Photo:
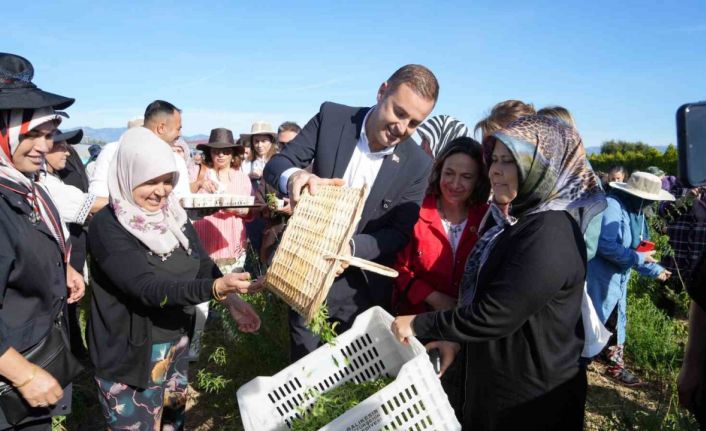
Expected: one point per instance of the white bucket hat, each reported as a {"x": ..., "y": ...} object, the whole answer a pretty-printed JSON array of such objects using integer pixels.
[
  {"x": 644, "y": 185},
  {"x": 260, "y": 128}
]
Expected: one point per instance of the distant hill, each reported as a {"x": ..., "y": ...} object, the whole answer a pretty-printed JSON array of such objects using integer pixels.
[{"x": 110, "y": 134}]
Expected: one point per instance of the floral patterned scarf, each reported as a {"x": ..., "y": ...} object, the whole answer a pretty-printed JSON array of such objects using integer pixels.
[
  {"x": 554, "y": 174},
  {"x": 141, "y": 157}
]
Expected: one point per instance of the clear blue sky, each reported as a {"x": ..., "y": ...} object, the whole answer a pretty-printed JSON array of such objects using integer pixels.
[{"x": 622, "y": 68}]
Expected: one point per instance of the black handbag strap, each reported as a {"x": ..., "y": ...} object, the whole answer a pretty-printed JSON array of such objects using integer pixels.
[{"x": 403, "y": 296}]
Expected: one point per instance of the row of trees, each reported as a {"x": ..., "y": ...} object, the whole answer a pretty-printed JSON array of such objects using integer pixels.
[{"x": 634, "y": 156}]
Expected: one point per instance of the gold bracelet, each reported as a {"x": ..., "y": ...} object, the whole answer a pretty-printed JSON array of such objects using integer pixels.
[
  {"x": 29, "y": 379},
  {"x": 215, "y": 292}
]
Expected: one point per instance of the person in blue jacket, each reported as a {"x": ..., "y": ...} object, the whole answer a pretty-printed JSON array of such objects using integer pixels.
[{"x": 623, "y": 228}]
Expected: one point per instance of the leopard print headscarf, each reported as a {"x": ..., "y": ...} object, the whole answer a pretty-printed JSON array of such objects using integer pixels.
[{"x": 554, "y": 172}]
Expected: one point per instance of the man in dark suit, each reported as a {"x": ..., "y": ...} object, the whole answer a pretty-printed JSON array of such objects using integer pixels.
[{"x": 354, "y": 147}]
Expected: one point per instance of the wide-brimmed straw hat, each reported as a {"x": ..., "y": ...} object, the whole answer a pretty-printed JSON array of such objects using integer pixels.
[
  {"x": 220, "y": 138},
  {"x": 17, "y": 90},
  {"x": 71, "y": 137},
  {"x": 644, "y": 185},
  {"x": 260, "y": 128}
]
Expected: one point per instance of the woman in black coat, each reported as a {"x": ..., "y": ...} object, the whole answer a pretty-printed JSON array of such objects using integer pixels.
[
  {"x": 519, "y": 314},
  {"x": 33, "y": 248},
  {"x": 149, "y": 271}
]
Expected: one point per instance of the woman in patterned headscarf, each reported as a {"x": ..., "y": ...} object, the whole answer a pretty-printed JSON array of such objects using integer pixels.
[{"x": 519, "y": 313}]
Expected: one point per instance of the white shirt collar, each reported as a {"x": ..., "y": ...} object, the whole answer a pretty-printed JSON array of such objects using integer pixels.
[{"x": 364, "y": 145}]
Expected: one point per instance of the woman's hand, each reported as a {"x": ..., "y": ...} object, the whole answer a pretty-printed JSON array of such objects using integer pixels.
[
  {"x": 242, "y": 212},
  {"x": 43, "y": 390},
  {"x": 243, "y": 314},
  {"x": 209, "y": 186},
  {"x": 286, "y": 209},
  {"x": 664, "y": 275},
  {"x": 649, "y": 256},
  {"x": 256, "y": 174},
  {"x": 238, "y": 282},
  {"x": 74, "y": 284},
  {"x": 448, "y": 351},
  {"x": 402, "y": 328}
]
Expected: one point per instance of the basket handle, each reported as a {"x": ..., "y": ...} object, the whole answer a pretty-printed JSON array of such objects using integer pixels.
[{"x": 365, "y": 264}]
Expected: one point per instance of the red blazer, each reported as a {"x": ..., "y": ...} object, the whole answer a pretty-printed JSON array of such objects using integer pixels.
[{"x": 428, "y": 261}]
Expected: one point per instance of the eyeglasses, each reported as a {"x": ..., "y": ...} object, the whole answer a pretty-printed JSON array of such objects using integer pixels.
[{"x": 226, "y": 151}]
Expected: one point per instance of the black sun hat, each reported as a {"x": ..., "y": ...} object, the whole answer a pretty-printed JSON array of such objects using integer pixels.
[
  {"x": 17, "y": 90},
  {"x": 221, "y": 138},
  {"x": 71, "y": 137}
]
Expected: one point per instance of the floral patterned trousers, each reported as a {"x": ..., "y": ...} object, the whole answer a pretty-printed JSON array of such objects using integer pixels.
[{"x": 159, "y": 407}]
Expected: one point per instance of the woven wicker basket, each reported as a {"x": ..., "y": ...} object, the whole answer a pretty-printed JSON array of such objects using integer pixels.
[{"x": 304, "y": 265}]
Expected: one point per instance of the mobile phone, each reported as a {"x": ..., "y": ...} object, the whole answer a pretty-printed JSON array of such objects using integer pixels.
[
  {"x": 691, "y": 143},
  {"x": 645, "y": 246}
]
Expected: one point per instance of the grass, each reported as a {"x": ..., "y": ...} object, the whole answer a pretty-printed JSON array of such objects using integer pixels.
[{"x": 229, "y": 359}]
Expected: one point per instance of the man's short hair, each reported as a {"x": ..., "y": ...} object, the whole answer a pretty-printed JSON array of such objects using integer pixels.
[
  {"x": 289, "y": 126},
  {"x": 157, "y": 108},
  {"x": 419, "y": 78}
]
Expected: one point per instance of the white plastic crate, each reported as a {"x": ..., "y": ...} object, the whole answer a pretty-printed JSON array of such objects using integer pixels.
[{"x": 415, "y": 400}]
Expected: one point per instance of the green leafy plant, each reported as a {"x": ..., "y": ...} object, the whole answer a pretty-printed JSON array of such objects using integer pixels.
[
  {"x": 211, "y": 382},
  {"x": 652, "y": 338},
  {"x": 271, "y": 200},
  {"x": 321, "y": 326},
  {"x": 332, "y": 404},
  {"x": 218, "y": 356}
]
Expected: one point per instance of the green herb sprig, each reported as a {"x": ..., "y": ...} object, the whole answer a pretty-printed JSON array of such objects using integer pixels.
[
  {"x": 271, "y": 200},
  {"x": 321, "y": 326},
  {"x": 332, "y": 404}
]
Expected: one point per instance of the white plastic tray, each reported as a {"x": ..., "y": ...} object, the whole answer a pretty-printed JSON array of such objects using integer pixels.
[
  {"x": 208, "y": 200},
  {"x": 414, "y": 400}
]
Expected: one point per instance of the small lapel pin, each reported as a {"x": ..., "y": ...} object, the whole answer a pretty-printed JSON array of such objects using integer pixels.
[{"x": 395, "y": 158}]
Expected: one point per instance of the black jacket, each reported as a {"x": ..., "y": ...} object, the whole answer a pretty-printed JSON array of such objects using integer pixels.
[
  {"x": 391, "y": 209},
  {"x": 74, "y": 174},
  {"x": 125, "y": 293},
  {"x": 32, "y": 274},
  {"x": 523, "y": 332}
]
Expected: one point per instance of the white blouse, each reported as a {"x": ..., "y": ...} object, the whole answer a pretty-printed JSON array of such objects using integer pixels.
[{"x": 73, "y": 204}]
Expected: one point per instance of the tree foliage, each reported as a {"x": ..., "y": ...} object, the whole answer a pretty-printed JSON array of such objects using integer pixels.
[{"x": 634, "y": 156}]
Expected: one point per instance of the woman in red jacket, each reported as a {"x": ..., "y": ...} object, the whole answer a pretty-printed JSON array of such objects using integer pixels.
[{"x": 431, "y": 265}]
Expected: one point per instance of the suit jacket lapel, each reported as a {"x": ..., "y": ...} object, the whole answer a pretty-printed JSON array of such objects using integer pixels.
[
  {"x": 350, "y": 133},
  {"x": 390, "y": 169}
]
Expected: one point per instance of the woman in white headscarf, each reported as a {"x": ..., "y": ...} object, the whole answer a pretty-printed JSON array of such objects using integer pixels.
[{"x": 149, "y": 271}]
